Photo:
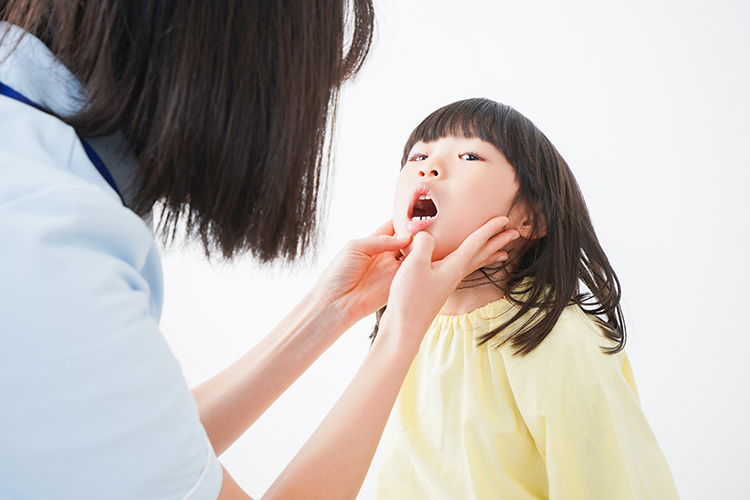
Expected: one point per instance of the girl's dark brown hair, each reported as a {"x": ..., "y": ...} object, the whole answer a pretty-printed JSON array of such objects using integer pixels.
[
  {"x": 564, "y": 266},
  {"x": 227, "y": 104}
]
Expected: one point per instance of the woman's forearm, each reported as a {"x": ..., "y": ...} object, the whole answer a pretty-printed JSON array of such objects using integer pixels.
[
  {"x": 355, "y": 284},
  {"x": 234, "y": 399},
  {"x": 335, "y": 460}
]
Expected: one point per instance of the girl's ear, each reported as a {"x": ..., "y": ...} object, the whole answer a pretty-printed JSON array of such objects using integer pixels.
[{"x": 527, "y": 226}]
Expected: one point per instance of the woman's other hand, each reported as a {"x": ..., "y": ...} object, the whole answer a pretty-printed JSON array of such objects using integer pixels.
[
  {"x": 356, "y": 283},
  {"x": 421, "y": 286}
]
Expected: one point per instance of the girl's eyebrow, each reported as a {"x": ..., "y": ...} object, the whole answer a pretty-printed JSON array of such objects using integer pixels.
[{"x": 418, "y": 148}]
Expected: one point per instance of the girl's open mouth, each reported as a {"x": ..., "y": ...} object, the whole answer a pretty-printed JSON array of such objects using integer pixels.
[{"x": 422, "y": 210}]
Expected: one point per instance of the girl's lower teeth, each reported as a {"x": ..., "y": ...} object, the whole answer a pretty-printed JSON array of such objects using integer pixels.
[{"x": 424, "y": 217}]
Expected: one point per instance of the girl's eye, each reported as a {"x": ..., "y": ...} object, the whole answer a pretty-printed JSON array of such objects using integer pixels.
[
  {"x": 417, "y": 157},
  {"x": 469, "y": 157}
]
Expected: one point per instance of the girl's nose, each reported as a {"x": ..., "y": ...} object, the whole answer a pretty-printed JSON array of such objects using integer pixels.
[{"x": 424, "y": 172}]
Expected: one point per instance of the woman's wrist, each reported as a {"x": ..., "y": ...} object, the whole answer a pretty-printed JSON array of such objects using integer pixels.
[
  {"x": 397, "y": 330},
  {"x": 342, "y": 310},
  {"x": 328, "y": 308}
]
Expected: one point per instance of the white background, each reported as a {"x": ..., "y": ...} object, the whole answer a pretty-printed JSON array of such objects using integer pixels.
[{"x": 649, "y": 103}]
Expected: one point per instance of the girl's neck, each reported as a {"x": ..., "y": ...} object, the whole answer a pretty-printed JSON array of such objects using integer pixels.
[{"x": 474, "y": 292}]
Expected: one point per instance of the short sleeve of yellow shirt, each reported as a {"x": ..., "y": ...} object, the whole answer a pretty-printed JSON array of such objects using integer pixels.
[{"x": 563, "y": 422}]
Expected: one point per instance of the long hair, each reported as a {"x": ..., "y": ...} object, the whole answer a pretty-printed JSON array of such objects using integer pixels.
[
  {"x": 228, "y": 105},
  {"x": 564, "y": 266}
]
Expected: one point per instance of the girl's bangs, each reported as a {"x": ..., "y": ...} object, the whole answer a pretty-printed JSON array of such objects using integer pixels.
[{"x": 469, "y": 118}]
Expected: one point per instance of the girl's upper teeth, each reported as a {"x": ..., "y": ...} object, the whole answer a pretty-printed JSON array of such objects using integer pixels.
[{"x": 423, "y": 210}]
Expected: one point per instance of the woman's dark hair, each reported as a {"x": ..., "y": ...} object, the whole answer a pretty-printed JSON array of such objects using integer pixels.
[
  {"x": 564, "y": 266},
  {"x": 228, "y": 105}
]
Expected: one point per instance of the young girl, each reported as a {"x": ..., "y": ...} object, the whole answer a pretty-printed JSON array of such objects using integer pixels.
[{"x": 521, "y": 388}]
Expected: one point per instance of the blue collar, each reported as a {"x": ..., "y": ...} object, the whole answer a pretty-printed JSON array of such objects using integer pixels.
[{"x": 93, "y": 156}]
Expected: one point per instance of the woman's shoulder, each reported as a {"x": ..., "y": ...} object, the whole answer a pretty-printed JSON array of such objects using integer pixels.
[
  {"x": 39, "y": 152},
  {"x": 56, "y": 208}
]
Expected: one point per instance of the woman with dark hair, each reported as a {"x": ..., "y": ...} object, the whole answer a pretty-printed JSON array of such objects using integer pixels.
[{"x": 220, "y": 111}]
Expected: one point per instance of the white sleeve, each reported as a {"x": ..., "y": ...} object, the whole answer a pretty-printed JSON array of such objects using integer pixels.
[{"x": 93, "y": 404}]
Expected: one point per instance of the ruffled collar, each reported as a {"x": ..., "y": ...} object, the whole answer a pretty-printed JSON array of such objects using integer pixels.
[{"x": 487, "y": 311}]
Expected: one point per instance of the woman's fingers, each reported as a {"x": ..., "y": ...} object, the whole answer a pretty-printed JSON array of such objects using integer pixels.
[
  {"x": 380, "y": 241},
  {"x": 384, "y": 229},
  {"x": 357, "y": 281},
  {"x": 492, "y": 251},
  {"x": 421, "y": 252},
  {"x": 482, "y": 246}
]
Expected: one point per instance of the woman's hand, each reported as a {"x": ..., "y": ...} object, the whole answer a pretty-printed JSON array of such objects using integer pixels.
[
  {"x": 334, "y": 462},
  {"x": 421, "y": 286},
  {"x": 357, "y": 281}
]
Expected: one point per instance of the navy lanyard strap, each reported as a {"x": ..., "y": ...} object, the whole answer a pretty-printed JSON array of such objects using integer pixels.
[{"x": 95, "y": 159}]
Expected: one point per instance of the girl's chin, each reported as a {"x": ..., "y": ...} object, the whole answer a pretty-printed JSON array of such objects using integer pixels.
[{"x": 438, "y": 253}]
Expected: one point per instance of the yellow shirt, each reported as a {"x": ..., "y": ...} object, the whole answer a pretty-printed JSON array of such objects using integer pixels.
[{"x": 563, "y": 422}]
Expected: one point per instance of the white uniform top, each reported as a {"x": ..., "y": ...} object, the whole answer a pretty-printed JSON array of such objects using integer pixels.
[{"x": 93, "y": 404}]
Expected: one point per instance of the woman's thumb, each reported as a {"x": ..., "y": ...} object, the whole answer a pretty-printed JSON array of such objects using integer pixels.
[{"x": 422, "y": 247}]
